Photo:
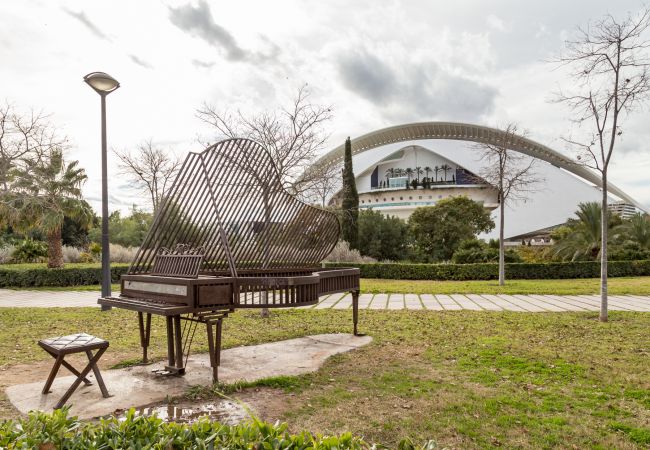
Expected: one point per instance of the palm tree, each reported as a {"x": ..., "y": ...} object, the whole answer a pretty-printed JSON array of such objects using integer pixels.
[
  {"x": 580, "y": 239},
  {"x": 418, "y": 172},
  {"x": 44, "y": 191},
  {"x": 436, "y": 170},
  {"x": 637, "y": 229},
  {"x": 446, "y": 168},
  {"x": 390, "y": 173},
  {"x": 427, "y": 170}
]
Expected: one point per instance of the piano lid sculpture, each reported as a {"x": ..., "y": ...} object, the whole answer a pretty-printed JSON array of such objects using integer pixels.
[{"x": 228, "y": 236}]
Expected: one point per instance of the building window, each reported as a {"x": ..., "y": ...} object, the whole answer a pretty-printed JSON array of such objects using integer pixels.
[
  {"x": 420, "y": 197},
  {"x": 384, "y": 199},
  {"x": 376, "y": 200},
  {"x": 401, "y": 198},
  {"x": 430, "y": 197},
  {"x": 440, "y": 196},
  {"x": 392, "y": 198},
  {"x": 410, "y": 198}
]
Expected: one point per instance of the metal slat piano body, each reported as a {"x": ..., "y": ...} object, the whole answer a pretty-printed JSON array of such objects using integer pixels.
[{"x": 227, "y": 237}]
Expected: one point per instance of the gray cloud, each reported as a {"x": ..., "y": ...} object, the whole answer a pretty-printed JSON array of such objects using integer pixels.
[
  {"x": 202, "y": 64},
  {"x": 140, "y": 62},
  {"x": 198, "y": 22},
  {"x": 81, "y": 17},
  {"x": 415, "y": 92},
  {"x": 368, "y": 76}
]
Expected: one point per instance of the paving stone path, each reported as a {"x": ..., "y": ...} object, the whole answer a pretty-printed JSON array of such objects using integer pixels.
[{"x": 435, "y": 302}]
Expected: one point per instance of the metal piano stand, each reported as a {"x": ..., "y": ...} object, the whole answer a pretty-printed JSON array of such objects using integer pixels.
[{"x": 179, "y": 339}]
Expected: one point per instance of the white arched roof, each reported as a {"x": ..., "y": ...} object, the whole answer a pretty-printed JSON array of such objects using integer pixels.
[{"x": 472, "y": 133}]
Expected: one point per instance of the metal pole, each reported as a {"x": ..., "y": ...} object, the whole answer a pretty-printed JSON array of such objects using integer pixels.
[{"x": 106, "y": 265}]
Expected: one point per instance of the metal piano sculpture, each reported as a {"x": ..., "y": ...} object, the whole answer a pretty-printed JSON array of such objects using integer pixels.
[{"x": 228, "y": 236}]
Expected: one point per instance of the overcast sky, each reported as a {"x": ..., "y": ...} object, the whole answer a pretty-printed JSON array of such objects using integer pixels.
[{"x": 378, "y": 63}]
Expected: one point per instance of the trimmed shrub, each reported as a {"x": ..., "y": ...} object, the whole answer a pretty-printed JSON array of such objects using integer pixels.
[
  {"x": 66, "y": 276},
  {"x": 58, "y": 430},
  {"x": 490, "y": 271}
]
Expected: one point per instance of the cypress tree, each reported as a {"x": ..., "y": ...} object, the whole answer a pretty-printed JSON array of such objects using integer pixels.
[{"x": 350, "y": 203}]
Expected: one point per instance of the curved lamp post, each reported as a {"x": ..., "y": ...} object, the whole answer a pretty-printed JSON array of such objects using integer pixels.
[{"x": 104, "y": 84}]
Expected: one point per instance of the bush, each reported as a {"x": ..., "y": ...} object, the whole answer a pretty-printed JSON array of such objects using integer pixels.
[
  {"x": 29, "y": 251},
  {"x": 58, "y": 430},
  {"x": 12, "y": 276},
  {"x": 121, "y": 254},
  {"x": 342, "y": 252},
  {"x": 476, "y": 251},
  {"x": 71, "y": 254},
  {"x": 6, "y": 254},
  {"x": 490, "y": 271}
]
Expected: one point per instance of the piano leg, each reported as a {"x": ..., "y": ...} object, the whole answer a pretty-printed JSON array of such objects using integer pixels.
[
  {"x": 178, "y": 339},
  {"x": 211, "y": 350},
  {"x": 171, "y": 360},
  {"x": 355, "y": 311},
  {"x": 145, "y": 334}
]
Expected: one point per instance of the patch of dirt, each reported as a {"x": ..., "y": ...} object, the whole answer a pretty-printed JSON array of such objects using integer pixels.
[
  {"x": 267, "y": 404},
  {"x": 38, "y": 371}
]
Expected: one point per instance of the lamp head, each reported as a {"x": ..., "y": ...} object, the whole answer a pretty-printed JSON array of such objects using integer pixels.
[{"x": 101, "y": 82}]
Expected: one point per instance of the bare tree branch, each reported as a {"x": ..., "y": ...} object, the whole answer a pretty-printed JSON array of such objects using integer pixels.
[
  {"x": 150, "y": 169},
  {"x": 293, "y": 136},
  {"x": 24, "y": 135},
  {"x": 511, "y": 174},
  {"x": 610, "y": 76}
]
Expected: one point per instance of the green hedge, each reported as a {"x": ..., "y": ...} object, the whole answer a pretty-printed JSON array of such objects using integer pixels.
[
  {"x": 68, "y": 276},
  {"x": 58, "y": 431},
  {"x": 490, "y": 271}
]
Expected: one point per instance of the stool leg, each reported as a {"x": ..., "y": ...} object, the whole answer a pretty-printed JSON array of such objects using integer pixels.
[
  {"x": 69, "y": 367},
  {"x": 53, "y": 372},
  {"x": 77, "y": 382},
  {"x": 98, "y": 375}
]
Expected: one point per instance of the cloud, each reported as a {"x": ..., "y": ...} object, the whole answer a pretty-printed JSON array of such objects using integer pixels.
[
  {"x": 197, "y": 21},
  {"x": 81, "y": 17},
  {"x": 140, "y": 62},
  {"x": 368, "y": 76},
  {"x": 202, "y": 64},
  {"x": 415, "y": 91}
]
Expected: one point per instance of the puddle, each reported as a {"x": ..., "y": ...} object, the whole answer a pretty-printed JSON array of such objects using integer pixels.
[{"x": 223, "y": 411}]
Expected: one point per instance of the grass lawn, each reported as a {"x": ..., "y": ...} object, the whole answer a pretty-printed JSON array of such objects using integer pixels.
[
  {"x": 617, "y": 286},
  {"x": 465, "y": 379},
  {"x": 580, "y": 286}
]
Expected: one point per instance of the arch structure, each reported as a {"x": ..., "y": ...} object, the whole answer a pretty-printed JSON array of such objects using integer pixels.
[{"x": 471, "y": 133}]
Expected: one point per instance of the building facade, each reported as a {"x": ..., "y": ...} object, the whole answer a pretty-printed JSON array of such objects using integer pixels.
[{"x": 415, "y": 176}]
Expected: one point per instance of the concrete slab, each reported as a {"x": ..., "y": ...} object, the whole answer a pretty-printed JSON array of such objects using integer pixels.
[
  {"x": 430, "y": 302},
  {"x": 137, "y": 386},
  {"x": 379, "y": 301},
  {"x": 396, "y": 301}
]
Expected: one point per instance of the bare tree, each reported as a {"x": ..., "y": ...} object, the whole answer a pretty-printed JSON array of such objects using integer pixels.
[
  {"x": 293, "y": 136},
  {"x": 150, "y": 169},
  {"x": 322, "y": 184},
  {"x": 24, "y": 135},
  {"x": 609, "y": 69},
  {"x": 511, "y": 174}
]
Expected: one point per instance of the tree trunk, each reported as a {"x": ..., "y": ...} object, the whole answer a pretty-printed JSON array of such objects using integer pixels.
[
  {"x": 502, "y": 256},
  {"x": 603, "y": 251},
  {"x": 54, "y": 249}
]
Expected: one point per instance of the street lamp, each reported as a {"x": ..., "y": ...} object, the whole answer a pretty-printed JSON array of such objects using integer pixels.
[{"x": 104, "y": 84}]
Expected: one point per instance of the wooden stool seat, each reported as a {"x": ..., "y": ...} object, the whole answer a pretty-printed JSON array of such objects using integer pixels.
[{"x": 59, "y": 347}]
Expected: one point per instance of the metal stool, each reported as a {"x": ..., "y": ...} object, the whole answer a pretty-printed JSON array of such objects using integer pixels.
[{"x": 59, "y": 347}]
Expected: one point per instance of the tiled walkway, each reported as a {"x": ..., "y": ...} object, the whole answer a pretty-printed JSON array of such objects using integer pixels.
[{"x": 435, "y": 302}]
